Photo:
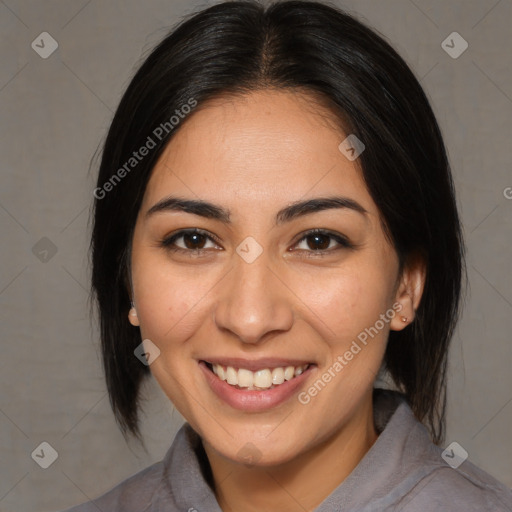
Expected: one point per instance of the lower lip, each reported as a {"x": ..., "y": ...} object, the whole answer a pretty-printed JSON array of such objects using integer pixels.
[{"x": 253, "y": 401}]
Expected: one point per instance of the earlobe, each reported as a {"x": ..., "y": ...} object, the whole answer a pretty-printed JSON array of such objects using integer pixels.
[
  {"x": 132, "y": 316},
  {"x": 409, "y": 294},
  {"x": 404, "y": 313}
]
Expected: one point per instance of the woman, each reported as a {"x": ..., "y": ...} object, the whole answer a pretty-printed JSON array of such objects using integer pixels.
[{"x": 275, "y": 227}]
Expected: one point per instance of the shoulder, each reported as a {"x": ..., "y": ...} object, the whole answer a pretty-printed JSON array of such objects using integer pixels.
[
  {"x": 444, "y": 481},
  {"x": 170, "y": 485},
  {"x": 465, "y": 489},
  {"x": 133, "y": 494},
  {"x": 414, "y": 474}
]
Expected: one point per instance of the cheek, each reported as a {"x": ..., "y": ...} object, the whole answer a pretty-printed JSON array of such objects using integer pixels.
[
  {"x": 170, "y": 301},
  {"x": 172, "y": 308},
  {"x": 345, "y": 301}
]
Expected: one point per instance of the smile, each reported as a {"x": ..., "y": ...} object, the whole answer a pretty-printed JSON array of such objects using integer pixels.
[
  {"x": 255, "y": 386},
  {"x": 266, "y": 378}
]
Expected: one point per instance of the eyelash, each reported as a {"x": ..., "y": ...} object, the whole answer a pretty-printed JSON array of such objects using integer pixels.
[{"x": 344, "y": 243}]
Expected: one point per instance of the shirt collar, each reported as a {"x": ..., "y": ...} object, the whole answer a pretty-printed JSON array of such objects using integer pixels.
[{"x": 384, "y": 471}]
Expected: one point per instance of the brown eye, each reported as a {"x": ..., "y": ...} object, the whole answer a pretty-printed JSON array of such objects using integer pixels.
[
  {"x": 321, "y": 241},
  {"x": 318, "y": 242},
  {"x": 189, "y": 241},
  {"x": 194, "y": 240}
]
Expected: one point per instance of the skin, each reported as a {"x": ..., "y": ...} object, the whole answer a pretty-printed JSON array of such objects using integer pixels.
[{"x": 253, "y": 155}]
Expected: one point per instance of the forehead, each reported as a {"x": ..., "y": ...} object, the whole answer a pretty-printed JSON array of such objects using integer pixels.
[{"x": 263, "y": 147}]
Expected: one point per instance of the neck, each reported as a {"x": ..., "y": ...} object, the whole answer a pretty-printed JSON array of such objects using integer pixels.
[{"x": 300, "y": 484}]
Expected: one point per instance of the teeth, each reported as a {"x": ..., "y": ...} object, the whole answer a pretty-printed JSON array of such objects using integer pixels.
[
  {"x": 231, "y": 376},
  {"x": 245, "y": 378},
  {"x": 261, "y": 379},
  {"x": 277, "y": 376},
  {"x": 220, "y": 372}
]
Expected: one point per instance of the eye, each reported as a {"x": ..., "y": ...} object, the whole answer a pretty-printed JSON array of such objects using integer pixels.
[
  {"x": 190, "y": 240},
  {"x": 196, "y": 241},
  {"x": 322, "y": 241}
]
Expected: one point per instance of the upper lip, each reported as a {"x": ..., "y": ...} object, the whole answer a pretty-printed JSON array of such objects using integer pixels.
[{"x": 256, "y": 364}]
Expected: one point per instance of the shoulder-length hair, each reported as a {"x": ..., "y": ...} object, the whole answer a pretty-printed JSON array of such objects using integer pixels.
[{"x": 241, "y": 46}]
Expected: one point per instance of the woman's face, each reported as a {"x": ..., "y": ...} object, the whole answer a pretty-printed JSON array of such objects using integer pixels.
[{"x": 255, "y": 292}]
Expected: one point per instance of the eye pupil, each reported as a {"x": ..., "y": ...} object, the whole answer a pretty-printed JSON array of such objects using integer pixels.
[
  {"x": 321, "y": 241},
  {"x": 194, "y": 240}
]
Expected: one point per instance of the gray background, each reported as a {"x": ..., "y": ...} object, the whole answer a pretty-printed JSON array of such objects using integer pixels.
[{"x": 54, "y": 112}]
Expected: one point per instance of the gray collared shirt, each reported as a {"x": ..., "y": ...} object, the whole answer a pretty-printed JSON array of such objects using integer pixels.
[{"x": 403, "y": 471}]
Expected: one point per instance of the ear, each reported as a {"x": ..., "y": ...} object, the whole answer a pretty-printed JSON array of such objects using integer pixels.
[
  {"x": 409, "y": 292},
  {"x": 132, "y": 316}
]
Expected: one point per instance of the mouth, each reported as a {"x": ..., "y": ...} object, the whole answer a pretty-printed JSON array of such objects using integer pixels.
[
  {"x": 259, "y": 380},
  {"x": 255, "y": 386}
]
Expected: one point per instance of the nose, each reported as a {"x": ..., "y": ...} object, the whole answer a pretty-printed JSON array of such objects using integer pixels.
[{"x": 253, "y": 302}]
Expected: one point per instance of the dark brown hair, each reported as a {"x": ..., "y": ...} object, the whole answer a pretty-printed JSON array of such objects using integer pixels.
[{"x": 236, "y": 47}]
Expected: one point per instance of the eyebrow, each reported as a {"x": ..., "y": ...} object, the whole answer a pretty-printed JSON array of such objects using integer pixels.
[{"x": 287, "y": 214}]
